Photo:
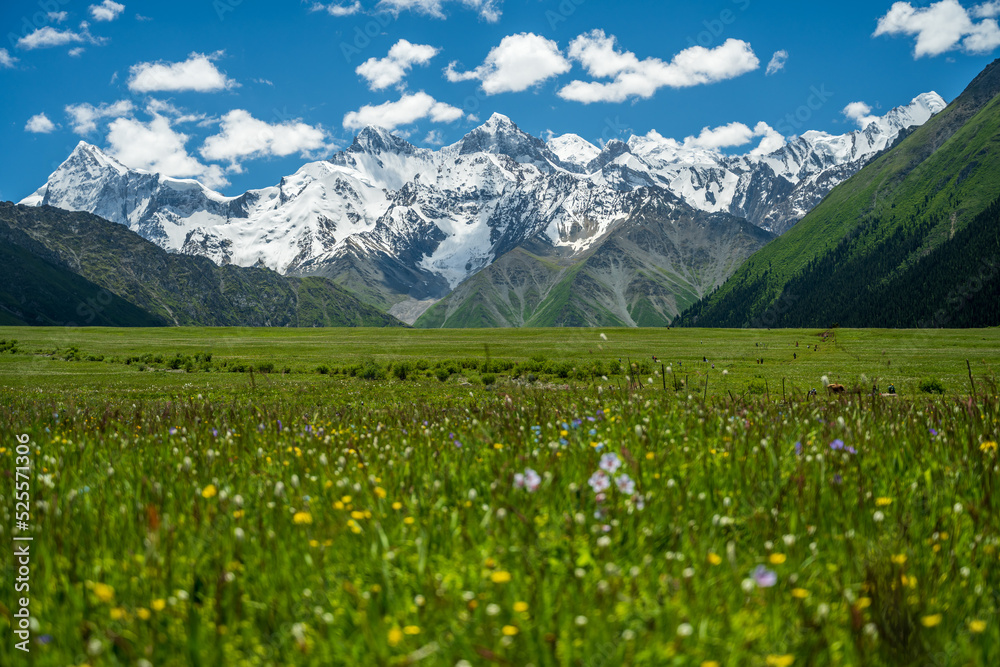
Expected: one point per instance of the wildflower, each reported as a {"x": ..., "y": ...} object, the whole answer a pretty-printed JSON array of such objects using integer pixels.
[
  {"x": 395, "y": 636},
  {"x": 931, "y": 621},
  {"x": 883, "y": 502},
  {"x": 209, "y": 491},
  {"x": 714, "y": 558},
  {"x": 625, "y": 485},
  {"x": 411, "y": 630},
  {"x": 610, "y": 463},
  {"x": 509, "y": 630},
  {"x": 491, "y": 609},
  {"x": 987, "y": 447},
  {"x": 763, "y": 577},
  {"x": 397, "y": 506},
  {"x": 409, "y": 520},
  {"x": 798, "y": 449},
  {"x": 302, "y": 518},
  {"x": 899, "y": 559},
  {"x": 143, "y": 613},
  {"x": 837, "y": 444},
  {"x": 104, "y": 592},
  {"x": 710, "y": 663},
  {"x": 779, "y": 660},
  {"x": 684, "y": 630},
  {"x": 580, "y": 621},
  {"x": 117, "y": 614},
  {"x": 800, "y": 593},
  {"x": 500, "y": 577},
  {"x": 520, "y": 607},
  {"x": 878, "y": 517},
  {"x": 976, "y": 627},
  {"x": 864, "y": 603},
  {"x": 599, "y": 481},
  {"x": 777, "y": 559},
  {"x": 158, "y": 605},
  {"x": 380, "y": 492}
]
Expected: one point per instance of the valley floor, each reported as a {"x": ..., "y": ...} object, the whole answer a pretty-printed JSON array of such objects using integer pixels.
[{"x": 393, "y": 497}]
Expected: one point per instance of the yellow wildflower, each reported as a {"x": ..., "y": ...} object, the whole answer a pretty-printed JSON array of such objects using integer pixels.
[
  {"x": 714, "y": 558},
  {"x": 800, "y": 593},
  {"x": 408, "y": 521},
  {"x": 209, "y": 491},
  {"x": 395, "y": 636},
  {"x": 883, "y": 502},
  {"x": 977, "y": 627},
  {"x": 988, "y": 446},
  {"x": 302, "y": 517},
  {"x": 520, "y": 607},
  {"x": 117, "y": 614},
  {"x": 397, "y": 506},
  {"x": 509, "y": 630},
  {"x": 710, "y": 663},
  {"x": 777, "y": 559},
  {"x": 380, "y": 492},
  {"x": 931, "y": 621},
  {"x": 411, "y": 630},
  {"x": 864, "y": 603},
  {"x": 143, "y": 613},
  {"x": 357, "y": 516},
  {"x": 104, "y": 592},
  {"x": 159, "y": 604},
  {"x": 500, "y": 577},
  {"x": 779, "y": 660},
  {"x": 899, "y": 559}
]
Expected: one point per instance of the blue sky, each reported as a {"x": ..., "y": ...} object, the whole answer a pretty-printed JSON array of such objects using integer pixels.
[{"x": 239, "y": 93}]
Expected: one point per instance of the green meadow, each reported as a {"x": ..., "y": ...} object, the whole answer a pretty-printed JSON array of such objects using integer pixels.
[{"x": 554, "y": 497}]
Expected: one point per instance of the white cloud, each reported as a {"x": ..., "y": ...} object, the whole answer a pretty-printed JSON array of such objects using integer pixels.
[
  {"x": 6, "y": 60},
  {"x": 943, "y": 26},
  {"x": 384, "y": 72},
  {"x": 156, "y": 147},
  {"x": 434, "y": 138},
  {"x": 987, "y": 10},
  {"x": 85, "y": 116},
  {"x": 39, "y": 124},
  {"x": 408, "y": 109},
  {"x": 777, "y": 63},
  {"x": 197, "y": 73},
  {"x": 243, "y": 136},
  {"x": 337, "y": 9},
  {"x": 48, "y": 37},
  {"x": 601, "y": 57},
  {"x": 77, "y": 52},
  {"x": 58, "y": 17},
  {"x": 860, "y": 113},
  {"x": 737, "y": 134},
  {"x": 489, "y": 10},
  {"x": 106, "y": 11},
  {"x": 516, "y": 64}
]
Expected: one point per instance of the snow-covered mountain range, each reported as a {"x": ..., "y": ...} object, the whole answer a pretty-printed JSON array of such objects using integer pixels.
[{"x": 400, "y": 224}]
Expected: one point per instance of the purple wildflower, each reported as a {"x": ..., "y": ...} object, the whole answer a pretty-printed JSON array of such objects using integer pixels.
[
  {"x": 610, "y": 463},
  {"x": 599, "y": 481},
  {"x": 798, "y": 449},
  {"x": 625, "y": 485},
  {"x": 837, "y": 444},
  {"x": 763, "y": 577}
]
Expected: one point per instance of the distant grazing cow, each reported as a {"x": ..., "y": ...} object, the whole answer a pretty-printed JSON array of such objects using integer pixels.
[{"x": 836, "y": 388}]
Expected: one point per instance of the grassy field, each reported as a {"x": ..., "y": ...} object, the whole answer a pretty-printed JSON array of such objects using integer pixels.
[{"x": 504, "y": 503}]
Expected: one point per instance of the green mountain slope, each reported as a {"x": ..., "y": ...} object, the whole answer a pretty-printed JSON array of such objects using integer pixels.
[
  {"x": 874, "y": 228},
  {"x": 182, "y": 290},
  {"x": 36, "y": 290},
  {"x": 643, "y": 272}
]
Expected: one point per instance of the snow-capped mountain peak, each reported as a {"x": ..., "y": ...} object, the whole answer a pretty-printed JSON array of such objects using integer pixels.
[{"x": 574, "y": 149}]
